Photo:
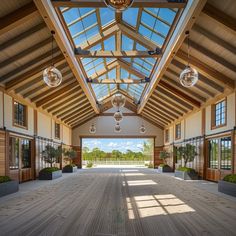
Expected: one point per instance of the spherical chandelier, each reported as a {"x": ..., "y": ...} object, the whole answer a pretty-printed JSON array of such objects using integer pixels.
[
  {"x": 118, "y": 116},
  {"x": 189, "y": 76},
  {"x": 118, "y": 5},
  {"x": 142, "y": 129},
  {"x": 118, "y": 100},
  {"x": 51, "y": 75},
  {"x": 117, "y": 128},
  {"x": 92, "y": 129}
]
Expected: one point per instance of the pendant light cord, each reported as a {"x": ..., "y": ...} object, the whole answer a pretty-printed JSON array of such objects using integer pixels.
[
  {"x": 52, "y": 32},
  {"x": 187, "y": 33}
]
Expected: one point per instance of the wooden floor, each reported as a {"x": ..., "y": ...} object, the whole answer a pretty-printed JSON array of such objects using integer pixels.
[{"x": 125, "y": 201}]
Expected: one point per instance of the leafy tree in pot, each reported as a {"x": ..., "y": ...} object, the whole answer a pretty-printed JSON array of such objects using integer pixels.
[
  {"x": 187, "y": 152},
  {"x": 70, "y": 154},
  {"x": 51, "y": 154},
  {"x": 164, "y": 155}
]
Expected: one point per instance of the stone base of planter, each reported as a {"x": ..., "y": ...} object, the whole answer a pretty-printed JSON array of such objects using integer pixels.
[
  {"x": 9, "y": 187},
  {"x": 50, "y": 176},
  {"x": 69, "y": 169},
  {"x": 165, "y": 169},
  {"x": 227, "y": 188},
  {"x": 186, "y": 175}
]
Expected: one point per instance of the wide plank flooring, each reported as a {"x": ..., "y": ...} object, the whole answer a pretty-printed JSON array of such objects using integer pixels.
[{"x": 118, "y": 201}]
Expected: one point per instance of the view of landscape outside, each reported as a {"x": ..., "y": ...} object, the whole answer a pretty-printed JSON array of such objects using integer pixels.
[{"x": 118, "y": 151}]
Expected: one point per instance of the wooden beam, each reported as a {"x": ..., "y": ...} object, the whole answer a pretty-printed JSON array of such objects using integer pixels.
[
  {"x": 22, "y": 36},
  {"x": 78, "y": 114},
  {"x": 151, "y": 121},
  {"x": 58, "y": 93},
  {"x": 83, "y": 121},
  {"x": 159, "y": 114},
  {"x": 215, "y": 39},
  {"x": 206, "y": 70},
  {"x": 186, "y": 21},
  {"x": 137, "y": 3},
  {"x": 154, "y": 117},
  {"x": 17, "y": 17},
  {"x": 24, "y": 53},
  {"x": 78, "y": 117},
  {"x": 23, "y": 78},
  {"x": 119, "y": 81},
  {"x": 179, "y": 94},
  {"x": 220, "y": 16},
  {"x": 114, "y": 54},
  {"x": 50, "y": 16}
]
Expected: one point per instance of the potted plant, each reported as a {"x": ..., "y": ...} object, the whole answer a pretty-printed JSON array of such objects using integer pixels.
[
  {"x": 89, "y": 164},
  {"x": 228, "y": 185},
  {"x": 8, "y": 186},
  {"x": 164, "y": 167},
  {"x": 70, "y": 155},
  {"x": 51, "y": 155},
  {"x": 187, "y": 153}
]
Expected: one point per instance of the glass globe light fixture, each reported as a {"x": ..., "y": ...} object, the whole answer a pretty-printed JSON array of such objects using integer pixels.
[
  {"x": 188, "y": 77},
  {"x": 118, "y": 116},
  {"x": 118, "y": 5},
  {"x": 118, "y": 100},
  {"x": 142, "y": 129},
  {"x": 117, "y": 128},
  {"x": 92, "y": 129},
  {"x": 52, "y": 76}
]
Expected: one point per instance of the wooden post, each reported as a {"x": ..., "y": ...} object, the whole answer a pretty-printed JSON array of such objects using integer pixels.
[
  {"x": 157, "y": 160},
  {"x": 78, "y": 160}
]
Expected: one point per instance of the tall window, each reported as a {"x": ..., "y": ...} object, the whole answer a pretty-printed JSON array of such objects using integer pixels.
[
  {"x": 57, "y": 130},
  {"x": 219, "y": 114},
  {"x": 178, "y": 131},
  {"x": 167, "y": 137},
  {"x": 25, "y": 153},
  {"x": 220, "y": 154},
  {"x": 20, "y": 118},
  {"x": 14, "y": 153}
]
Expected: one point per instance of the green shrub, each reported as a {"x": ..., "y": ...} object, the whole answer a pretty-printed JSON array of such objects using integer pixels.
[
  {"x": 163, "y": 165},
  {"x": 150, "y": 165},
  {"x": 89, "y": 165},
  {"x": 49, "y": 170},
  {"x": 4, "y": 179},
  {"x": 230, "y": 178},
  {"x": 186, "y": 169},
  {"x": 70, "y": 165}
]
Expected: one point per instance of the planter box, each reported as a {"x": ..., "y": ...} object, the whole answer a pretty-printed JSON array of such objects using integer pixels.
[
  {"x": 50, "y": 176},
  {"x": 69, "y": 169},
  {"x": 9, "y": 187},
  {"x": 186, "y": 175},
  {"x": 227, "y": 188},
  {"x": 165, "y": 169}
]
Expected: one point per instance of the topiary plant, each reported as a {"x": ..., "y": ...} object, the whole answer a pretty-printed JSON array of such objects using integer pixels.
[
  {"x": 230, "y": 178},
  {"x": 164, "y": 155},
  {"x": 51, "y": 154},
  {"x": 70, "y": 154},
  {"x": 4, "y": 179},
  {"x": 49, "y": 170},
  {"x": 187, "y": 153}
]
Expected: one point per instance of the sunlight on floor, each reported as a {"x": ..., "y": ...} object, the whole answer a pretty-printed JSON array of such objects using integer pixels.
[
  {"x": 134, "y": 174},
  {"x": 130, "y": 170},
  {"x": 140, "y": 182},
  {"x": 154, "y": 205}
]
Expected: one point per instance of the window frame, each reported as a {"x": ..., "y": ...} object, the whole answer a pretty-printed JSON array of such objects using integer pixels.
[
  {"x": 213, "y": 114},
  {"x": 25, "y": 126},
  {"x": 55, "y": 131},
  {"x": 177, "y": 137},
  {"x": 167, "y": 135}
]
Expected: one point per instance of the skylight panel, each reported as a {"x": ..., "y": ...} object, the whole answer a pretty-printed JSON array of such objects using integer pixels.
[
  {"x": 123, "y": 87},
  {"x": 127, "y": 43},
  {"x": 167, "y": 15},
  {"x": 148, "y": 20},
  {"x": 112, "y": 74},
  {"x": 124, "y": 74},
  {"x": 130, "y": 16},
  {"x": 109, "y": 44},
  {"x": 107, "y": 16},
  {"x": 112, "y": 87}
]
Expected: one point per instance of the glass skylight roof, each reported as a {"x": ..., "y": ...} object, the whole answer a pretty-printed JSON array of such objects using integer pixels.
[{"x": 88, "y": 24}]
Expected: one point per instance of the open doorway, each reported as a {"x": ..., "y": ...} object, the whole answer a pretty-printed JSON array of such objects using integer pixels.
[{"x": 105, "y": 152}]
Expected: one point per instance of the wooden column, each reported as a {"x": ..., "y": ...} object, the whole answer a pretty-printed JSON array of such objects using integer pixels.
[
  {"x": 78, "y": 160},
  {"x": 3, "y": 153},
  {"x": 157, "y": 160}
]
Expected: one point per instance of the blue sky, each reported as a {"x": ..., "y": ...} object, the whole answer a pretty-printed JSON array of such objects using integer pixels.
[{"x": 108, "y": 144}]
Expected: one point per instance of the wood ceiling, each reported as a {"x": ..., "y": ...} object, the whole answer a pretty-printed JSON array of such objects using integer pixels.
[{"x": 25, "y": 46}]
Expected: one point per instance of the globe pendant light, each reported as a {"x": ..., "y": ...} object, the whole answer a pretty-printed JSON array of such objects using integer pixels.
[
  {"x": 51, "y": 75},
  {"x": 117, "y": 128},
  {"x": 92, "y": 129},
  {"x": 118, "y": 5},
  {"x": 189, "y": 76},
  {"x": 142, "y": 129},
  {"x": 118, "y": 116},
  {"x": 118, "y": 100}
]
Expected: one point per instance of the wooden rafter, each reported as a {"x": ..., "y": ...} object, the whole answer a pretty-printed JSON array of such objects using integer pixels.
[
  {"x": 219, "y": 16},
  {"x": 154, "y": 117},
  {"x": 151, "y": 121},
  {"x": 137, "y": 3},
  {"x": 17, "y": 17},
  {"x": 83, "y": 121},
  {"x": 159, "y": 114},
  {"x": 79, "y": 116}
]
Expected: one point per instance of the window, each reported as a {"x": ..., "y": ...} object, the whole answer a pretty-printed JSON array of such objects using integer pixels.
[
  {"x": 14, "y": 153},
  {"x": 20, "y": 118},
  {"x": 220, "y": 153},
  {"x": 167, "y": 135},
  {"x": 178, "y": 131},
  {"x": 25, "y": 153},
  {"x": 57, "y": 130},
  {"x": 219, "y": 114}
]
